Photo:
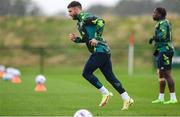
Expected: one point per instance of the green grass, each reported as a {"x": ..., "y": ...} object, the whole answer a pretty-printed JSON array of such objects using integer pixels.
[{"x": 67, "y": 92}]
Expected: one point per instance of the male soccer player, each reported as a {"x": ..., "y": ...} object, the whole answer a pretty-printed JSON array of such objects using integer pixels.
[
  {"x": 91, "y": 29},
  {"x": 164, "y": 51}
]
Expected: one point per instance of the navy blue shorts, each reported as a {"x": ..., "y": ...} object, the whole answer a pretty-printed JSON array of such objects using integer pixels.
[{"x": 164, "y": 60}]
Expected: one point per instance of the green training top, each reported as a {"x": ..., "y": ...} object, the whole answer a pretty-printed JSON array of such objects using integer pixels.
[
  {"x": 163, "y": 36},
  {"x": 91, "y": 27}
]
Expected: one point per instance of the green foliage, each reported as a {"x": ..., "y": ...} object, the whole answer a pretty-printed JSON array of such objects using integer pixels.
[
  {"x": 21, "y": 38},
  {"x": 136, "y": 7},
  {"x": 18, "y": 8}
]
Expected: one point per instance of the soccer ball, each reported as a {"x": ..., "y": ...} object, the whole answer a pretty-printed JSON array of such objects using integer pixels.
[
  {"x": 2, "y": 68},
  {"x": 40, "y": 79},
  {"x": 83, "y": 113},
  {"x": 7, "y": 76}
]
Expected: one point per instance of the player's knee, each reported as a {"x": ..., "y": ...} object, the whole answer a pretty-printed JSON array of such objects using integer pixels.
[
  {"x": 162, "y": 79},
  {"x": 161, "y": 74},
  {"x": 168, "y": 75},
  {"x": 86, "y": 74}
]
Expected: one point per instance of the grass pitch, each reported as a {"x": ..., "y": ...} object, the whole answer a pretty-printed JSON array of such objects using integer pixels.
[{"x": 67, "y": 92}]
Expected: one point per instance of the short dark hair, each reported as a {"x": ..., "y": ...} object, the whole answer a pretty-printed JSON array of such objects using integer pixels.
[
  {"x": 162, "y": 11},
  {"x": 75, "y": 4}
]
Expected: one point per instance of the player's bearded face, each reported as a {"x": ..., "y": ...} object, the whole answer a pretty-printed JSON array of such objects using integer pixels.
[
  {"x": 156, "y": 16},
  {"x": 73, "y": 13}
]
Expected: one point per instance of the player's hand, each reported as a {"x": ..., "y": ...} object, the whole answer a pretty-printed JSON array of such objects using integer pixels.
[
  {"x": 151, "y": 40},
  {"x": 72, "y": 36},
  {"x": 93, "y": 42}
]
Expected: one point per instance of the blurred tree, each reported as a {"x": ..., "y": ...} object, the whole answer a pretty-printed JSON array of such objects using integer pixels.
[
  {"x": 172, "y": 5},
  {"x": 137, "y": 7},
  {"x": 134, "y": 7},
  {"x": 4, "y": 7},
  {"x": 18, "y": 8},
  {"x": 99, "y": 9},
  {"x": 34, "y": 10}
]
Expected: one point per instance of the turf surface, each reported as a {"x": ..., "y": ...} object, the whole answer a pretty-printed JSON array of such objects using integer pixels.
[{"x": 67, "y": 92}]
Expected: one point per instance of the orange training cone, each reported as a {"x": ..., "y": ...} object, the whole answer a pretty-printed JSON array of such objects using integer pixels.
[
  {"x": 2, "y": 74},
  {"x": 40, "y": 88},
  {"x": 16, "y": 80},
  {"x": 2, "y": 70},
  {"x": 40, "y": 80}
]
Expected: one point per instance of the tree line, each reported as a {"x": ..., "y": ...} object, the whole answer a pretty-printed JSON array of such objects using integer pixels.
[
  {"x": 137, "y": 7},
  {"x": 123, "y": 7},
  {"x": 18, "y": 8}
]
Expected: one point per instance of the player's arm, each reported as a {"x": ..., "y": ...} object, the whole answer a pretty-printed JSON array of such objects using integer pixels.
[
  {"x": 75, "y": 38},
  {"x": 162, "y": 34},
  {"x": 94, "y": 34},
  {"x": 99, "y": 27},
  {"x": 79, "y": 40}
]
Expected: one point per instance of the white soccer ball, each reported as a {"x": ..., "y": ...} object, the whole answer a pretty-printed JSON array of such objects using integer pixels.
[
  {"x": 83, "y": 113},
  {"x": 7, "y": 76},
  {"x": 40, "y": 79},
  {"x": 16, "y": 72},
  {"x": 10, "y": 70},
  {"x": 2, "y": 68}
]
